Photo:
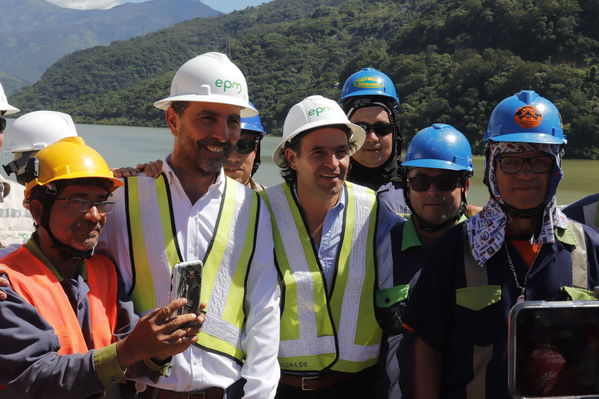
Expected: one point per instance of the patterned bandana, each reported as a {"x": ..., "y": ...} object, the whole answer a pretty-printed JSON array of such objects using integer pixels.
[{"x": 486, "y": 230}]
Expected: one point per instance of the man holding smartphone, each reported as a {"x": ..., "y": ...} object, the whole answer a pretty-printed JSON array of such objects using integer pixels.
[
  {"x": 67, "y": 329},
  {"x": 192, "y": 211},
  {"x": 331, "y": 244}
]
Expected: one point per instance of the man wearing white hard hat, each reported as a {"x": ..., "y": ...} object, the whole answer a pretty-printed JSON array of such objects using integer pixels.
[
  {"x": 27, "y": 135},
  {"x": 16, "y": 224},
  {"x": 331, "y": 245},
  {"x": 194, "y": 212}
]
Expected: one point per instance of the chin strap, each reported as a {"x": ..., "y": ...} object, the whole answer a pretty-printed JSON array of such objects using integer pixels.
[{"x": 67, "y": 252}]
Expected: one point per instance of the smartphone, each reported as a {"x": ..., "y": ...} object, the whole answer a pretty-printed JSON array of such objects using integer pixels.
[
  {"x": 553, "y": 349},
  {"x": 186, "y": 280}
]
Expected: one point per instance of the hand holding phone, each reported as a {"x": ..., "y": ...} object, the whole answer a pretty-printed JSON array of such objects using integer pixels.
[{"x": 186, "y": 281}]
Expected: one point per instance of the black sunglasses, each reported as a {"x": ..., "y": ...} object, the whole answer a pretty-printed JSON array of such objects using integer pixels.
[
  {"x": 245, "y": 146},
  {"x": 381, "y": 129},
  {"x": 511, "y": 164},
  {"x": 2, "y": 124},
  {"x": 445, "y": 182}
]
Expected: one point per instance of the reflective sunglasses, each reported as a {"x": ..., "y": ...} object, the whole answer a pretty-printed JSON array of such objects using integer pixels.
[
  {"x": 245, "y": 146},
  {"x": 83, "y": 205},
  {"x": 445, "y": 182},
  {"x": 381, "y": 129},
  {"x": 512, "y": 164},
  {"x": 2, "y": 124}
]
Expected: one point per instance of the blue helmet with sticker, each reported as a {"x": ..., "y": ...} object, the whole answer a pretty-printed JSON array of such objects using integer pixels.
[
  {"x": 366, "y": 88},
  {"x": 253, "y": 124},
  {"x": 369, "y": 82},
  {"x": 439, "y": 146},
  {"x": 526, "y": 117}
]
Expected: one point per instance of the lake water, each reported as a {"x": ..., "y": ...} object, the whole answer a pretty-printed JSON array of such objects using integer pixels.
[{"x": 128, "y": 146}]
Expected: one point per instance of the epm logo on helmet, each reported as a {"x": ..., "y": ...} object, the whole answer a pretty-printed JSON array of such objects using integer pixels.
[
  {"x": 528, "y": 116},
  {"x": 369, "y": 82},
  {"x": 319, "y": 110},
  {"x": 227, "y": 84}
]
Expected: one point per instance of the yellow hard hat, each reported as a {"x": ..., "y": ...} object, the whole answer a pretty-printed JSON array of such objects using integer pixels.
[{"x": 70, "y": 158}]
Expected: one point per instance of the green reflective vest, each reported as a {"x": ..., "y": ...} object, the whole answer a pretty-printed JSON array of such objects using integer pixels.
[
  {"x": 155, "y": 250},
  {"x": 321, "y": 330}
]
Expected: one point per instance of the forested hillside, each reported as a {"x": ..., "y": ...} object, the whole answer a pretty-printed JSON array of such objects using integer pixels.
[{"x": 451, "y": 60}]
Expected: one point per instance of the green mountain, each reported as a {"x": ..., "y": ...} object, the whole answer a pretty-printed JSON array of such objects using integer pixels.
[
  {"x": 451, "y": 60},
  {"x": 36, "y": 33}
]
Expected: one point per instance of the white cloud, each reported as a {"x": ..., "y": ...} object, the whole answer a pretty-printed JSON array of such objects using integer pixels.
[{"x": 86, "y": 4}]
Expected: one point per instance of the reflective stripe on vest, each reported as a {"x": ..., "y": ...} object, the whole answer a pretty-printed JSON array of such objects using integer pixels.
[
  {"x": 36, "y": 283},
  {"x": 309, "y": 339},
  {"x": 579, "y": 257},
  {"x": 481, "y": 355},
  {"x": 229, "y": 254}
]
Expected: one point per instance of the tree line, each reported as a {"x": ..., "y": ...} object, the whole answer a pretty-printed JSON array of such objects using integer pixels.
[{"x": 451, "y": 61}]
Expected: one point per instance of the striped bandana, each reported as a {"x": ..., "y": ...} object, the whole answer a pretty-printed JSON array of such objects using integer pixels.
[{"x": 486, "y": 230}]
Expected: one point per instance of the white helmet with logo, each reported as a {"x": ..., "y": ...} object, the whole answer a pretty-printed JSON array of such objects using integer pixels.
[
  {"x": 210, "y": 77},
  {"x": 38, "y": 129},
  {"x": 315, "y": 112},
  {"x": 4, "y": 105}
]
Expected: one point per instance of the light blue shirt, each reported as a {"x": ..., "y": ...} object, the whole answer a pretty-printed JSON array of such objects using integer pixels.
[{"x": 331, "y": 236}]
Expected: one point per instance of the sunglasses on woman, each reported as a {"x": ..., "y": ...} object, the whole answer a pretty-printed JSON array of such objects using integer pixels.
[{"x": 381, "y": 129}]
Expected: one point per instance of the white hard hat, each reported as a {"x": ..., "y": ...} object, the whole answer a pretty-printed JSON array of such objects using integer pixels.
[
  {"x": 213, "y": 78},
  {"x": 36, "y": 130},
  {"x": 313, "y": 112},
  {"x": 4, "y": 105}
]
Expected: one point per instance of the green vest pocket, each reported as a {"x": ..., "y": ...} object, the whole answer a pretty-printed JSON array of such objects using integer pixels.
[
  {"x": 390, "y": 296},
  {"x": 579, "y": 294},
  {"x": 478, "y": 297}
]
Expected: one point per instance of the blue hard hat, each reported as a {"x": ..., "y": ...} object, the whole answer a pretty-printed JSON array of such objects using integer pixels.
[
  {"x": 439, "y": 146},
  {"x": 526, "y": 117},
  {"x": 253, "y": 123},
  {"x": 368, "y": 82}
]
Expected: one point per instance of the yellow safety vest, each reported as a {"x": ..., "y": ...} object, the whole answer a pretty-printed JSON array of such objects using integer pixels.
[
  {"x": 154, "y": 251},
  {"x": 327, "y": 330}
]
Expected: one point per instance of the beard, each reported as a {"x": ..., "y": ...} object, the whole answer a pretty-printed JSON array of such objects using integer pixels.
[
  {"x": 199, "y": 159},
  {"x": 208, "y": 162}
]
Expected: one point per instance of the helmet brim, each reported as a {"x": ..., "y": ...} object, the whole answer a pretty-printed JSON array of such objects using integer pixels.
[
  {"x": 435, "y": 164},
  {"x": 358, "y": 136},
  {"x": 9, "y": 110},
  {"x": 115, "y": 183},
  {"x": 246, "y": 109},
  {"x": 539, "y": 138}
]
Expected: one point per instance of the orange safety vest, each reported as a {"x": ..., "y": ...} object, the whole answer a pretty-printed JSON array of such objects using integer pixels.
[{"x": 36, "y": 283}]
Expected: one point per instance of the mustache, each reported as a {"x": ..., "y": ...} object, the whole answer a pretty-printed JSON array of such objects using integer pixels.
[
  {"x": 227, "y": 147},
  {"x": 89, "y": 225}
]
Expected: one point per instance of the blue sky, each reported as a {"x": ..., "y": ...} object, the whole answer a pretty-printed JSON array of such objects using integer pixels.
[{"x": 224, "y": 6}]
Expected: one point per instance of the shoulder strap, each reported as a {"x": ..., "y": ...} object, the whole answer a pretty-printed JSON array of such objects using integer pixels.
[
  {"x": 475, "y": 274},
  {"x": 579, "y": 256}
]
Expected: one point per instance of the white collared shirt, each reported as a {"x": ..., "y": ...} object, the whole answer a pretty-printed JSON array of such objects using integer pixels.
[{"x": 196, "y": 369}]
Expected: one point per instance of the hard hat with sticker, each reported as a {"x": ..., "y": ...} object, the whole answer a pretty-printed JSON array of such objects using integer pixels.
[{"x": 528, "y": 116}]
